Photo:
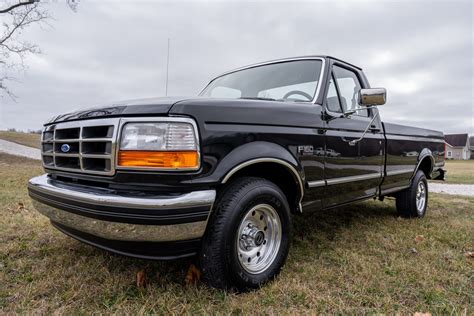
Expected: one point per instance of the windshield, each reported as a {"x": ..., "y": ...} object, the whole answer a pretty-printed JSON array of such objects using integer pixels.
[{"x": 285, "y": 81}]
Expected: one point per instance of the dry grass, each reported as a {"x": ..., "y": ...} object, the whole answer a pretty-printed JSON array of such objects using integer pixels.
[
  {"x": 27, "y": 139},
  {"x": 460, "y": 171},
  {"x": 356, "y": 259}
]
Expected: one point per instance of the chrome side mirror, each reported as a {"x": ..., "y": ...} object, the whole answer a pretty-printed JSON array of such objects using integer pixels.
[{"x": 372, "y": 96}]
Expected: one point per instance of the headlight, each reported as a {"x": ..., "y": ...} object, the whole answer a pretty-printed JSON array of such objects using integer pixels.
[{"x": 160, "y": 145}]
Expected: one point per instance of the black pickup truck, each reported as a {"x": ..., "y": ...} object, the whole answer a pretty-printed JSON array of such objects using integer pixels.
[{"x": 221, "y": 175}]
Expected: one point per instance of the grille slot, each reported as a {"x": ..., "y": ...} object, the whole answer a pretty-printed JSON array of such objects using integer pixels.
[
  {"x": 98, "y": 132},
  {"x": 84, "y": 146},
  {"x": 47, "y": 148},
  {"x": 67, "y": 133},
  {"x": 96, "y": 164},
  {"x": 97, "y": 148},
  {"x": 67, "y": 162}
]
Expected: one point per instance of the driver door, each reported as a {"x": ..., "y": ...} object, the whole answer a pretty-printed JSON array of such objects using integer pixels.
[{"x": 351, "y": 171}]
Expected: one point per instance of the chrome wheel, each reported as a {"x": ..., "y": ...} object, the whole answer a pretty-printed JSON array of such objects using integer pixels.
[
  {"x": 420, "y": 197},
  {"x": 259, "y": 238}
]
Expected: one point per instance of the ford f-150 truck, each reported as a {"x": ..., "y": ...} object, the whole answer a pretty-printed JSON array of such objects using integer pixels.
[{"x": 221, "y": 175}]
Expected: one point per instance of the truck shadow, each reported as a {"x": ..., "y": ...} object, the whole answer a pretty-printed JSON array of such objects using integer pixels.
[
  {"x": 312, "y": 232},
  {"x": 326, "y": 224}
]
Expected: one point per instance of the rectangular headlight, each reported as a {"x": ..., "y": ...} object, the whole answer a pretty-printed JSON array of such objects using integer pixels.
[{"x": 165, "y": 145}]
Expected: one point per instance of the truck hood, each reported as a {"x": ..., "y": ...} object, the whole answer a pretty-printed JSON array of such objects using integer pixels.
[
  {"x": 145, "y": 107},
  {"x": 204, "y": 110}
]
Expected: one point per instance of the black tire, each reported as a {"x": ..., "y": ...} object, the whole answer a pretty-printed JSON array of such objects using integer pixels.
[
  {"x": 219, "y": 257},
  {"x": 406, "y": 200}
]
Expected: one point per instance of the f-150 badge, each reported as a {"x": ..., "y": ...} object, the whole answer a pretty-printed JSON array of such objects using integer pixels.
[{"x": 305, "y": 150}]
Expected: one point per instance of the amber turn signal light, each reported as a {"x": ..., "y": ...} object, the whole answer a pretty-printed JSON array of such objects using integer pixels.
[{"x": 159, "y": 159}]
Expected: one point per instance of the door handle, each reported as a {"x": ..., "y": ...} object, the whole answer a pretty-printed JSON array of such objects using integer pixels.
[{"x": 373, "y": 128}]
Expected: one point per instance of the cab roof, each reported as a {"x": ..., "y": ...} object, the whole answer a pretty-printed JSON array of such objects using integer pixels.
[{"x": 327, "y": 57}]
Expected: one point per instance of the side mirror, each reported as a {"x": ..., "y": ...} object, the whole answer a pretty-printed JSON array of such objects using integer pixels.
[{"x": 372, "y": 96}]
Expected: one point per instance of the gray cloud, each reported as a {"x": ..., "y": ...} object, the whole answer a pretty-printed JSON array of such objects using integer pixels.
[{"x": 420, "y": 51}]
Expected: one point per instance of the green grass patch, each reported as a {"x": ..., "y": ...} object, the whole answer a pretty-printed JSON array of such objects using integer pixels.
[
  {"x": 357, "y": 259},
  {"x": 460, "y": 171},
  {"x": 27, "y": 139}
]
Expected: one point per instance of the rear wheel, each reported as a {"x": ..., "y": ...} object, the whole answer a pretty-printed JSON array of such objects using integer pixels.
[
  {"x": 413, "y": 201},
  {"x": 248, "y": 235}
]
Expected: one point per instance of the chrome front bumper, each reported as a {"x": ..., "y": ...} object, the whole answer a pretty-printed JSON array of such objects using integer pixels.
[{"x": 123, "y": 217}]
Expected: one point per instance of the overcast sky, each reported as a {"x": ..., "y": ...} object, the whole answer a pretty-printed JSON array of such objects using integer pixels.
[{"x": 420, "y": 51}]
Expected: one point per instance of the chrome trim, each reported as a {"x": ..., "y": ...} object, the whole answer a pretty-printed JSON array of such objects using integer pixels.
[
  {"x": 419, "y": 163},
  {"x": 353, "y": 178},
  {"x": 316, "y": 184},
  {"x": 124, "y": 121},
  {"x": 414, "y": 138},
  {"x": 197, "y": 198},
  {"x": 397, "y": 172},
  {"x": 275, "y": 160},
  {"x": 421, "y": 196},
  {"x": 258, "y": 238},
  {"x": 80, "y": 124},
  {"x": 277, "y": 61},
  {"x": 124, "y": 231},
  {"x": 372, "y": 96}
]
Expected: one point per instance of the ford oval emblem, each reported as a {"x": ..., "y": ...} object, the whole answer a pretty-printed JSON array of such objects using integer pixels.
[{"x": 65, "y": 148}]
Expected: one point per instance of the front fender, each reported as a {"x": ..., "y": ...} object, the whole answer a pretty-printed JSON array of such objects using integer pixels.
[{"x": 254, "y": 151}]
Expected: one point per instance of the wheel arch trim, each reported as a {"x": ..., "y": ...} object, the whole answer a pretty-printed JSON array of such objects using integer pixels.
[
  {"x": 425, "y": 153},
  {"x": 286, "y": 164}
]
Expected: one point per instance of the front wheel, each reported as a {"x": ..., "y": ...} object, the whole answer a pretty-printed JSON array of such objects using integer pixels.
[
  {"x": 412, "y": 202},
  {"x": 248, "y": 235}
]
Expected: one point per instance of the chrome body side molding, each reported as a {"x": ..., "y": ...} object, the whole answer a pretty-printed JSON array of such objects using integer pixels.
[
  {"x": 415, "y": 138},
  {"x": 316, "y": 184},
  {"x": 397, "y": 172},
  {"x": 334, "y": 181}
]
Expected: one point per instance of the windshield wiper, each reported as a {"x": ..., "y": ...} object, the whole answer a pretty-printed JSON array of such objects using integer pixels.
[{"x": 257, "y": 98}]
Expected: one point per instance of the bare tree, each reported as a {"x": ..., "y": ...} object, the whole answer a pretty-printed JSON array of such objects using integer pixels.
[{"x": 16, "y": 16}]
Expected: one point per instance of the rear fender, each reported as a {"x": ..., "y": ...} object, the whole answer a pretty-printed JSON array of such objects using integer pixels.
[{"x": 424, "y": 154}]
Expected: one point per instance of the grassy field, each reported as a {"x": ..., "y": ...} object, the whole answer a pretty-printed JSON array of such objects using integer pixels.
[
  {"x": 460, "y": 171},
  {"x": 356, "y": 259},
  {"x": 27, "y": 139}
]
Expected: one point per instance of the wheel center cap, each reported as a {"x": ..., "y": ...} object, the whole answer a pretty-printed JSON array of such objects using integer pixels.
[{"x": 259, "y": 238}]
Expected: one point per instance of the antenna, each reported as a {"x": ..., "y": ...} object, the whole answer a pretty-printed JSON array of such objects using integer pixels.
[{"x": 167, "y": 67}]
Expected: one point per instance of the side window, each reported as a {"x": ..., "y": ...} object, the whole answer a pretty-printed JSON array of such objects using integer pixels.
[
  {"x": 332, "y": 99},
  {"x": 349, "y": 87}
]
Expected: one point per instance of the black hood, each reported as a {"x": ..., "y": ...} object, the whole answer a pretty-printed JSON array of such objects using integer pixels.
[
  {"x": 204, "y": 109},
  {"x": 151, "y": 106}
]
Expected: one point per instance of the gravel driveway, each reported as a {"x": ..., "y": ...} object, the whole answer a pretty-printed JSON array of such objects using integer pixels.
[
  {"x": 19, "y": 150},
  {"x": 455, "y": 189}
]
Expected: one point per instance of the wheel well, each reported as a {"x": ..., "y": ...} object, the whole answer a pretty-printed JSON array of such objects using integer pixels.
[
  {"x": 276, "y": 173},
  {"x": 426, "y": 166}
]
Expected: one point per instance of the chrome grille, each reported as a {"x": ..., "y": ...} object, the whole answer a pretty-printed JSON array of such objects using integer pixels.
[{"x": 84, "y": 146}]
